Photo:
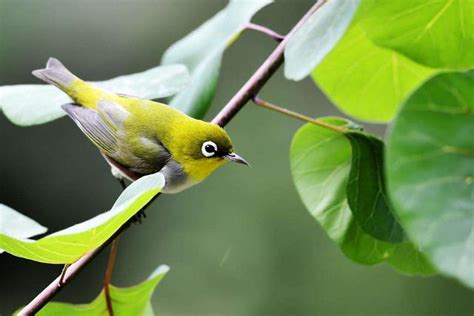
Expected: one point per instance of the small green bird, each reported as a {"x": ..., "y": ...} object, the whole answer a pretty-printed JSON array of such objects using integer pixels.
[{"x": 139, "y": 137}]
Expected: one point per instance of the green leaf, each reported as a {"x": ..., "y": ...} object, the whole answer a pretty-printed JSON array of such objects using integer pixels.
[
  {"x": 431, "y": 32},
  {"x": 430, "y": 171},
  {"x": 133, "y": 300},
  {"x": 408, "y": 259},
  {"x": 366, "y": 81},
  {"x": 68, "y": 245},
  {"x": 317, "y": 37},
  {"x": 366, "y": 189},
  {"x": 37, "y": 104},
  {"x": 320, "y": 164},
  {"x": 17, "y": 225},
  {"x": 202, "y": 51}
]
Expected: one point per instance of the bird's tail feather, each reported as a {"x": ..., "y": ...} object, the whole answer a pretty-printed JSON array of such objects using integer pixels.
[{"x": 55, "y": 73}]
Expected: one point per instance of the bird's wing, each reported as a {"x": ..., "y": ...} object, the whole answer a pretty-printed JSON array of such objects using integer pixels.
[
  {"x": 114, "y": 114},
  {"x": 93, "y": 125},
  {"x": 103, "y": 125}
]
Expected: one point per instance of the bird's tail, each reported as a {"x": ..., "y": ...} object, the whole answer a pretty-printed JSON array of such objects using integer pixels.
[
  {"x": 56, "y": 74},
  {"x": 81, "y": 92}
]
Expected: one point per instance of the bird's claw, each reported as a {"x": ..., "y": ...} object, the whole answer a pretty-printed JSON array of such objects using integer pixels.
[{"x": 138, "y": 217}]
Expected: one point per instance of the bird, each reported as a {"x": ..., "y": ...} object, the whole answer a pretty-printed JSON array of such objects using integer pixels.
[{"x": 138, "y": 137}]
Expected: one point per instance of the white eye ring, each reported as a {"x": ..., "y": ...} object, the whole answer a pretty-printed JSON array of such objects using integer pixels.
[{"x": 206, "y": 149}]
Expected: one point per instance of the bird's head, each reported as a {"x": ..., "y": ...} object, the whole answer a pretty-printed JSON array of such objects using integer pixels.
[{"x": 205, "y": 147}]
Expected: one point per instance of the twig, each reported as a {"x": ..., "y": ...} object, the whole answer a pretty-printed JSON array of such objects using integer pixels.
[
  {"x": 261, "y": 76},
  {"x": 63, "y": 273},
  {"x": 268, "y": 105},
  {"x": 265, "y": 30},
  {"x": 108, "y": 276},
  {"x": 248, "y": 90}
]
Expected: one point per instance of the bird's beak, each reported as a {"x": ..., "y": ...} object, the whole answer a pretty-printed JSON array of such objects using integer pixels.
[{"x": 236, "y": 158}]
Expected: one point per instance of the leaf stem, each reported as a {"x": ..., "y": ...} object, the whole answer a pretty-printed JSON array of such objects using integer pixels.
[
  {"x": 108, "y": 276},
  {"x": 265, "y": 30},
  {"x": 296, "y": 115},
  {"x": 63, "y": 273}
]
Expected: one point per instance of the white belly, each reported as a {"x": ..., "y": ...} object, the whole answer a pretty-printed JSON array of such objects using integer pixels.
[{"x": 176, "y": 180}]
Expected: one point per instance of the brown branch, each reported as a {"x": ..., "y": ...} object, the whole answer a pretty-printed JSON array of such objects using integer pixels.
[
  {"x": 247, "y": 92},
  {"x": 108, "y": 276},
  {"x": 261, "y": 76}
]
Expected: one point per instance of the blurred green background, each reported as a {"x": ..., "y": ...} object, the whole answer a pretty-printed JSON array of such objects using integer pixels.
[{"x": 240, "y": 243}]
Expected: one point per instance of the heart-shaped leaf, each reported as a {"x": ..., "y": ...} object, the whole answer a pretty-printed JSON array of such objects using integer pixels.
[
  {"x": 317, "y": 37},
  {"x": 133, "y": 300},
  {"x": 17, "y": 225},
  {"x": 68, "y": 245},
  {"x": 366, "y": 189},
  {"x": 430, "y": 171},
  {"x": 320, "y": 164},
  {"x": 37, "y": 104},
  {"x": 202, "y": 51},
  {"x": 431, "y": 32}
]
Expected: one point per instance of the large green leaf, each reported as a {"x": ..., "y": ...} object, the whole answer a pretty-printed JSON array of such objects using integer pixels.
[
  {"x": 311, "y": 43},
  {"x": 202, "y": 50},
  {"x": 68, "y": 245},
  {"x": 366, "y": 189},
  {"x": 366, "y": 81},
  {"x": 430, "y": 165},
  {"x": 37, "y": 104},
  {"x": 17, "y": 225},
  {"x": 437, "y": 33},
  {"x": 128, "y": 301},
  {"x": 320, "y": 164}
]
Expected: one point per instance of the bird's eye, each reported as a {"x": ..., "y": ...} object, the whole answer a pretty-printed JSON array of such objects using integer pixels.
[{"x": 208, "y": 149}]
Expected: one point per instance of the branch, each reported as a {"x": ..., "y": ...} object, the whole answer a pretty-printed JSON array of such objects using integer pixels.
[
  {"x": 261, "y": 76},
  {"x": 265, "y": 30},
  {"x": 108, "y": 276},
  {"x": 247, "y": 92},
  {"x": 296, "y": 115}
]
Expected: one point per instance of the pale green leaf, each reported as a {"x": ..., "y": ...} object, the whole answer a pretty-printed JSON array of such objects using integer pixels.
[
  {"x": 366, "y": 81},
  {"x": 37, "y": 104},
  {"x": 202, "y": 51},
  {"x": 68, "y": 245},
  {"x": 320, "y": 164},
  {"x": 317, "y": 37},
  {"x": 17, "y": 225},
  {"x": 430, "y": 170},
  {"x": 437, "y": 33}
]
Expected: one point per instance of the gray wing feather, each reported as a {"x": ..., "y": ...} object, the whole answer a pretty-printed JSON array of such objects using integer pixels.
[
  {"x": 93, "y": 126},
  {"x": 112, "y": 112}
]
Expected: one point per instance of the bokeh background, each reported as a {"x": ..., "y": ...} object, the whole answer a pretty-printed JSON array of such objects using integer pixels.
[{"x": 240, "y": 243}]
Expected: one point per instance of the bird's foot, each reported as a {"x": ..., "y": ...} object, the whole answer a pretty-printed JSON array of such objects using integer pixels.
[{"x": 137, "y": 218}]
